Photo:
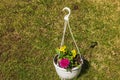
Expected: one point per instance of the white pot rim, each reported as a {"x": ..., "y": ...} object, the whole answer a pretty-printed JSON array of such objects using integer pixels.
[{"x": 75, "y": 68}]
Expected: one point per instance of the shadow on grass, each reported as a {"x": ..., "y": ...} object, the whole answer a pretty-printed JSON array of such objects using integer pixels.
[
  {"x": 86, "y": 64},
  {"x": 85, "y": 67}
]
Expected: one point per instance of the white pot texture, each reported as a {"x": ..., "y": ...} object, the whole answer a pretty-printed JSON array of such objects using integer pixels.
[{"x": 64, "y": 74}]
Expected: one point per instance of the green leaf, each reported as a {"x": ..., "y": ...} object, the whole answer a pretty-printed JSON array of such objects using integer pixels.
[{"x": 57, "y": 51}]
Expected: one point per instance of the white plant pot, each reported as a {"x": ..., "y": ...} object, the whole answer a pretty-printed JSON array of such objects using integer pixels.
[{"x": 64, "y": 74}]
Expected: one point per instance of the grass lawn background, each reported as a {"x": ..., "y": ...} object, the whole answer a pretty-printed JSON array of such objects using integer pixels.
[{"x": 30, "y": 30}]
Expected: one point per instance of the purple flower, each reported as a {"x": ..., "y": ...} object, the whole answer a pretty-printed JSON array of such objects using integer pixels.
[{"x": 64, "y": 63}]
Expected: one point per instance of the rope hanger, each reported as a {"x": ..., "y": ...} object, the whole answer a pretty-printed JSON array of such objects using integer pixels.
[{"x": 66, "y": 18}]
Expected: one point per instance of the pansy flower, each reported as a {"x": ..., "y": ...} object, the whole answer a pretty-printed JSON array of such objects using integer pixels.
[
  {"x": 73, "y": 53},
  {"x": 62, "y": 49}
]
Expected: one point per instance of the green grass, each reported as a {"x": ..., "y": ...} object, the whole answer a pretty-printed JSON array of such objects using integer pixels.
[{"x": 30, "y": 30}]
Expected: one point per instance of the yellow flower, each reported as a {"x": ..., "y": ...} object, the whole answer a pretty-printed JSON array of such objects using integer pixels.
[
  {"x": 73, "y": 53},
  {"x": 62, "y": 48}
]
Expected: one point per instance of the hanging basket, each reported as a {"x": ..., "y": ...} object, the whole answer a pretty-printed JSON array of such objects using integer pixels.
[
  {"x": 63, "y": 73},
  {"x": 72, "y": 57}
]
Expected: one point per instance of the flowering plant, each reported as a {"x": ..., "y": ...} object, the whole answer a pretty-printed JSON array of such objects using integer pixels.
[{"x": 67, "y": 59}]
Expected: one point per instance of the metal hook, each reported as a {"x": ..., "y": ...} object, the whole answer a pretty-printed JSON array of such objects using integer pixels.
[{"x": 66, "y": 18}]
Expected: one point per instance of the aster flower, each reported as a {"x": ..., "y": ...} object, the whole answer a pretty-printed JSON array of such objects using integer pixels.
[{"x": 64, "y": 63}]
